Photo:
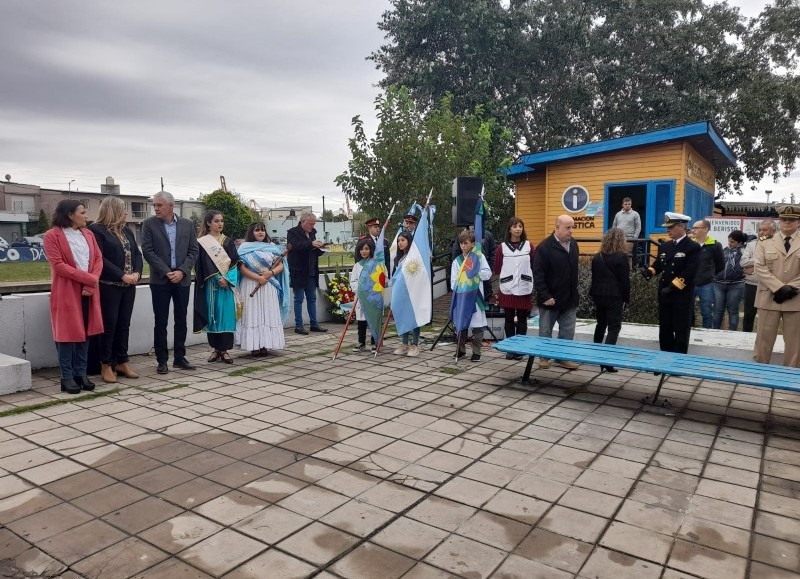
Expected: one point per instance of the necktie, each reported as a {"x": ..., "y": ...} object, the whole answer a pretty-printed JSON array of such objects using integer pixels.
[{"x": 787, "y": 243}]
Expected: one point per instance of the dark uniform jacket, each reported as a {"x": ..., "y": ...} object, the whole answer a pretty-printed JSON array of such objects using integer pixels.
[
  {"x": 555, "y": 273},
  {"x": 677, "y": 260},
  {"x": 303, "y": 259}
]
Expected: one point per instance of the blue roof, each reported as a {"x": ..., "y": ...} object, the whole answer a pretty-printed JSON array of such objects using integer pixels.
[{"x": 703, "y": 135}]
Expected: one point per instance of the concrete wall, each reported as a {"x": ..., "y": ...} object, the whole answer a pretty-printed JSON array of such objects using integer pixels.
[{"x": 27, "y": 333}]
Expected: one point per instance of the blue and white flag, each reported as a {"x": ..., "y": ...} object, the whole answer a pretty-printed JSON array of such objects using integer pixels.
[{"x": 412, "y": 302}]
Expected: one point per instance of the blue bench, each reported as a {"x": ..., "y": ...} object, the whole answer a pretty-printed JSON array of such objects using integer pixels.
[{"x": 664, "y": 363}]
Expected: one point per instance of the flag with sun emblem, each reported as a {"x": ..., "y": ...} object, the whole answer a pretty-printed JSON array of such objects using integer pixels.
[
  {"x": 467, "y": 285},
  {"x": 412, "y": 302},
  {"x": 371, "y": 284}
]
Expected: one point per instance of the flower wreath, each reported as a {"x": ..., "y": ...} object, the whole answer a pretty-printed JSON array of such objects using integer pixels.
[{"x": 338, "y": 292}]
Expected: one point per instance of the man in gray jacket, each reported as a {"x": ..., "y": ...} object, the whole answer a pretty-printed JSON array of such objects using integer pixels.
[
  {"x": 766, "y": 229},
  {"x": 630, "y": 223},
  {"x": 169, "y": 245}
]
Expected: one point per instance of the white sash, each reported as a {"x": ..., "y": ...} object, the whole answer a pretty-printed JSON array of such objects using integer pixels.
[{"x": 216, "y": 252}]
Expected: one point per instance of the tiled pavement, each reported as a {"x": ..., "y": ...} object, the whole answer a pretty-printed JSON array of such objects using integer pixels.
[{"x": 398, "y": 467}]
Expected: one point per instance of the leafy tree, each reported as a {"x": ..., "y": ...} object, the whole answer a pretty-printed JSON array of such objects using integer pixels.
[
  {"x": 44, "y": 223},
  {"x": 560, "y": 72},
  {"x": 238, "y": 216},
  {"x": 415, "y": 151},
  {"x": 327, "y": 215}
]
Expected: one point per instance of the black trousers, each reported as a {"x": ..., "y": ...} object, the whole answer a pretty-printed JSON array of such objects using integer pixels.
[
  {"x": 518, "y": 328},
  {"x": 161, "y": 295},
  {"x": 221, "y": 342},
  {"x": 116, "y": 303},
  {"x": 675, "y": 326},
  {"x": 749, "y": 307},
  {"x": 609, "y": 317}
]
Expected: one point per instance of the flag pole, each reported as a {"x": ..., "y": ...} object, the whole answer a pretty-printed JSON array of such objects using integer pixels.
[
  {"x": 383, "y": 332},
  {"x": 344, "y": 331}
]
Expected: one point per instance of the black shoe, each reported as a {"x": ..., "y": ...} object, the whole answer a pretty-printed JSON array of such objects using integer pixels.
[
  {"x": 84, "y": 383},
  {"x": 300, "y": 330},
  {"x": 609, "y": 369},
  {"x": 461, "y": 355},
  {"x": 511, "y": 356},
  {"x": 318, "y": 329},
  {"x": 360, "y": 348},
  {"x": 183, "y": 363},
  {"x": 70, "y": 386},
  {"x": 162, "y": 368},
  {"x": 475, "y": 358}
]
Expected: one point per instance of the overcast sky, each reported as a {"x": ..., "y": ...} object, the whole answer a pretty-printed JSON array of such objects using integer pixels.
[{"x": 260, "y": 92}]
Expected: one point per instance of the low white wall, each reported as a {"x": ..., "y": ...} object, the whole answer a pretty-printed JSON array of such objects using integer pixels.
[{"x": 26, "y": 332}]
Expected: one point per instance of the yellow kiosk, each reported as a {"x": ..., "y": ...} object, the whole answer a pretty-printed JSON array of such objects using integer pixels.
[{"x": 670, "y": 169}]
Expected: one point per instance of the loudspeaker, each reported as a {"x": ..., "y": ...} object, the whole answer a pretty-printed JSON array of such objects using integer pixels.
[{"x": 466, "y": 192}]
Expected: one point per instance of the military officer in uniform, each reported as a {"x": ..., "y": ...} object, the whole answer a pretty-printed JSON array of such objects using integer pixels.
[
  {"x": 677, "y": 262},
  {"x": 374, "y": 230},
  {"x": 410, "y": 223},
  {"x": 777, "y": 268}
]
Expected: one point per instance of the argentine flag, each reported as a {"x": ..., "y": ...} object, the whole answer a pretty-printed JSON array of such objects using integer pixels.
[{"x": 412, "y": 302}]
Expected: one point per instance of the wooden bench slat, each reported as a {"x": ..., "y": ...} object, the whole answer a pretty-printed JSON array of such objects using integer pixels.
[{"x": 670, "y": 363}]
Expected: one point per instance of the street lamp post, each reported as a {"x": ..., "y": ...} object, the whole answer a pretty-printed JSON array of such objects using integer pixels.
[
  {"x": 69, "y": 185},
  {"x": 768, "y": 193}
]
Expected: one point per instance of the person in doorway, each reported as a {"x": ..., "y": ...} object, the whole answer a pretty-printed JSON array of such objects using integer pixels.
[
  {"x": 711, "y": 263},
  {"x": 630, "y": 223},
  {"x": 169, "y": 246},
  {"x": 729, "y": 283},
  {"x": 611, "y": 287},
  {"x": 677, "y": 262},
  {"x": 766, "y": 229},
  {"x": 778, "y": 272},
  {"x": 513, "y": 264},
  {"x": 555, "y": 278},
  {"x": 304, "y": 270}
]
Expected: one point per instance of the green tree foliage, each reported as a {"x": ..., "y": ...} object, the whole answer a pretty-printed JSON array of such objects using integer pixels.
[
  {"x": 44, "y": 223},
  {"x": 415, "y": 151},
  {"x": 238, "y": 216},
  {"x": 560, "y": 72}
]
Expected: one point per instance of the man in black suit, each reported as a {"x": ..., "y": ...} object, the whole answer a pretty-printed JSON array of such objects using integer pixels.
[
  {"x": 677, "y": 262},
  {"x": 169, "y": 244}
]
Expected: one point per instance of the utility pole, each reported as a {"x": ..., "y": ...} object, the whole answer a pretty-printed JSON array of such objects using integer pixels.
[
  {"x": 324, "y": 235},
  {"x": 768, "y": 192},
  {"x": 162, "y": 183}
]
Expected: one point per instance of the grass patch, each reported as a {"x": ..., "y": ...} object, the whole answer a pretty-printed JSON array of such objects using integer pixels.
[
  {"x": 162, "y": 390},
  {"x": 34, "y": 271},
  {"x": 59, "y": 402},
  {"x": 451, "y": 371},
  {"x": 283, "y": 361}
]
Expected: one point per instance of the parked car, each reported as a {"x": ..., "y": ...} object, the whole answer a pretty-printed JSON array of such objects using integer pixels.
[{"x": 27, "y": 241}]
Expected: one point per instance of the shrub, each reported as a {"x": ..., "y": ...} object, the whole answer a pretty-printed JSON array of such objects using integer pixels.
[{"x": 643, "y": 308}]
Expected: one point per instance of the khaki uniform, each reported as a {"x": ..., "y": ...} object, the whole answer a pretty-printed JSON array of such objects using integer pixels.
[{"x": 774, "y": 268}]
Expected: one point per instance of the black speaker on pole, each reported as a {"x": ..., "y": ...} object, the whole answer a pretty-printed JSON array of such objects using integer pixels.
[{"x": 466, "y": 192}]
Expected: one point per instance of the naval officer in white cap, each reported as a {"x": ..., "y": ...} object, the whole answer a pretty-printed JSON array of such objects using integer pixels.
[{"x": 677, "y": 263}]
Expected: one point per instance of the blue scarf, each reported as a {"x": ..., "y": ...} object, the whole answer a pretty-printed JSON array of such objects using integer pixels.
[{"x": 258, "y": 257}]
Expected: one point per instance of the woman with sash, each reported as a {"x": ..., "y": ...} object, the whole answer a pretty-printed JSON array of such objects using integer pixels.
[
  {"x": 216, "y": 276},
  {"x": 263, "y": 271}
]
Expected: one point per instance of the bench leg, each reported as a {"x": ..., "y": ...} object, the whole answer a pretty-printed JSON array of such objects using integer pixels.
[
  {"x": 527, "y": 375},
  {"x": 653, "y": 401}
]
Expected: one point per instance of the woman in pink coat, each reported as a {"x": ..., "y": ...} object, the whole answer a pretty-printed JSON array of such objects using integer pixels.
[{"x": 75, "y": 267}]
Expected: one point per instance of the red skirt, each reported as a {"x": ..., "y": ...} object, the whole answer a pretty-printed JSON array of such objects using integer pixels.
[{"x": 515, "y": 302}]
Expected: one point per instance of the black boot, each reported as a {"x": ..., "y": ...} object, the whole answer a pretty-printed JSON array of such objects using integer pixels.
[
  {"x": 84, "y": 383},
  {"x": 609, "y": 369},
  {"x": 70, "y": 386}
]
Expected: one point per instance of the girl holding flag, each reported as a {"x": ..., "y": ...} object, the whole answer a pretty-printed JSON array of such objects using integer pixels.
[
  {"x": 410, "y": 345},
  {"x": 365, "y": 250},
  {"x": 467, "y": 274},
  {"x": 264, "y": 287}
]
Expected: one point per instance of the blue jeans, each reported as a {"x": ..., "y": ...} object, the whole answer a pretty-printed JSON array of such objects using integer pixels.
[
  {"x": 73, "y": 357},
  {"x": 566, "y": 322},
  {"x": 727, "y": 296},
  {"x": 413, "y": 335},
  {"x": 310, "y": 293},
  {"x": 706, "y": 295}
]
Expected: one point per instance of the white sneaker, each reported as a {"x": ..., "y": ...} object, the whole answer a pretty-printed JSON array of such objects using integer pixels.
[
  {"x": 402, "y": 350},
  {"x": 413, "y": 351}
]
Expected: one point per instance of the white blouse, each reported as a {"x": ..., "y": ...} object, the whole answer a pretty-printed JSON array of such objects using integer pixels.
[{"x": 79, "y": 247}]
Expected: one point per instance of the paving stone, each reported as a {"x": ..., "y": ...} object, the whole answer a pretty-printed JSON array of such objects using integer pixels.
[
  {"x": 180, "y": 532},
  {"x": 605, "y": 564},
  {"x": 637, "y": 542},
  {"x": 516, "y": 566},
  {"x": 727, "y": 492},
  {"x": 651, "y": 517},
  {"x": 590, "y": 501},
  {"x": 318, "y": 543},
  {"x": 716, "y": 536},
  {"x": 720, "y": 512},
  {"x": 572, "y": 523},
  {"x": 221, "y": 552},
  {"x": 410, "y": 537},
  {"x": 25, "y": 503},
  {"x": 554, "y": 550},
  {"x": 705, "y": 562},
  {"x": 465, "y": 557},
  {"x": 142, "y": 515},
  {"x": 761, "y": 571},
  {"x": 441, "y": 513},
  {"x": 390, "y": 496},
  {"x": 776, "y": 552},
  {"x": 48, "y": 522},
  {"x": 363, "y": 562},
  {"x": 494, "y": 530},
  {"x": 773, "y": 525},
  {"x": 124, "y": 559},
  {"x": 172, "y": 569}
]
